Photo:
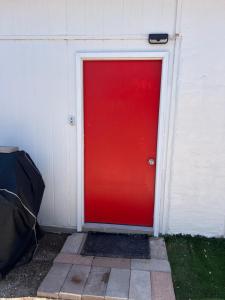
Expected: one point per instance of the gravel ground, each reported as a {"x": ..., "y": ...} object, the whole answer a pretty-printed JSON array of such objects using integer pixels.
[{"x": 24, "y": 281}]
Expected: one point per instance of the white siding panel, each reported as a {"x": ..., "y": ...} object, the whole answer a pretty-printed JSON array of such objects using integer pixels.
[
  {"x": 76, "y": 15},
  {"x": 27, "y": 17},
  {"x": 37, "y": 82},
  {"x": 36, "y": 117},
  {"x": 113, "y": 21},
  {"x": 158, "y": 16},
  {"x": 86, "y": 17}
]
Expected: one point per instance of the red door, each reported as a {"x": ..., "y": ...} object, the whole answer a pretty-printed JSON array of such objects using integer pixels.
[{"x": 121, "y": 105}]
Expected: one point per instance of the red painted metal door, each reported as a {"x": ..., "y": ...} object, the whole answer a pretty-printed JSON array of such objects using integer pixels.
[{"x": 121, "y": 105}]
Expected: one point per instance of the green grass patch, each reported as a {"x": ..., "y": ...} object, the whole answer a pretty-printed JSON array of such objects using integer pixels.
[{"x": 198, "y": 267}]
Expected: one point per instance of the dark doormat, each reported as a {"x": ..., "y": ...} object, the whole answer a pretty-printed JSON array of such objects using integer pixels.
[{"x": 116, "y": 245}]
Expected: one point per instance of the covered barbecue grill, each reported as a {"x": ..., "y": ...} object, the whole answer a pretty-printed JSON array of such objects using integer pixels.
[{"x": 21, "y": 191}]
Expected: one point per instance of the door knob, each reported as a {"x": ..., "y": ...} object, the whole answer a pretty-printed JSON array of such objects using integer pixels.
[{"x": 151, "y": 161}]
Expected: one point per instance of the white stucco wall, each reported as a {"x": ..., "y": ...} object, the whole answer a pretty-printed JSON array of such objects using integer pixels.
[
  {"x": 197, "y": 195},
  {"x": 38, "y": 42}
]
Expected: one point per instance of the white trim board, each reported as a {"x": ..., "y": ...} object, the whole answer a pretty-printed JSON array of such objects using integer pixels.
[{"x": 162, "y": 127}]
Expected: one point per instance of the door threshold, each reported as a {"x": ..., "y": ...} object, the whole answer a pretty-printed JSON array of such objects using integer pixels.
[{"x": 114, "y": 228}]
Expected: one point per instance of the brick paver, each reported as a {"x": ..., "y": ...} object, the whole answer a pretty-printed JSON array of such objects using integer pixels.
[
  {"x": 73, "y": 243},
  {"x": 150, "y": 265},
  {"x": 158, "y": 248},
  {"x": 162, "y": 286},
  {"x": 140, "y": 286},
  {"x": 76, "y": 277},
  {"x": 74, "y": 259},
  {"x": 120, "y": 263},
  {"x": 118, "y": 285},
  {"x": 75, "y": 281},
  {"x": 97, "y": 283},
  {"x": 54, "y": 280}
]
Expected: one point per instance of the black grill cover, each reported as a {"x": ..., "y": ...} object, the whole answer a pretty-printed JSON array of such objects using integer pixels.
[{"x": 21, "y": 191}]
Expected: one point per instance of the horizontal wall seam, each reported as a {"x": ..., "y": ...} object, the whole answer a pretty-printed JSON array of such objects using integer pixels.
[{"x": 78, "y": 37}]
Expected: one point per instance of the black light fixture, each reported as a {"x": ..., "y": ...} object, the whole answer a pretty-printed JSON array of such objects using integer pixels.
[{"x": 158, "y": 38}]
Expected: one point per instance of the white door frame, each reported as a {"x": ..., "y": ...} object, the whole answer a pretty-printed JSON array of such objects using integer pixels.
[{"x": 162, "y": 127}]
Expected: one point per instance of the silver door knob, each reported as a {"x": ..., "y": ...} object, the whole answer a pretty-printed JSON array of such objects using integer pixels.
[{"x": 151, "y": 161}]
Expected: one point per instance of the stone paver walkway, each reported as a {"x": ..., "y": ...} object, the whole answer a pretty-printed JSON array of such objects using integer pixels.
[{"x": 76, "y": 277}]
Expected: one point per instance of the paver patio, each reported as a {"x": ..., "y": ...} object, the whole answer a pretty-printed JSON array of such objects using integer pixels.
[{"x": 76, "y": 277}]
